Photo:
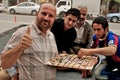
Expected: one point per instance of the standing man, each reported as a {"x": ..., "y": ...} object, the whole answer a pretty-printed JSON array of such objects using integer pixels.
[
  {"x": 32, "y": 47},
  {"x": 63, "y": 30},
  {"x": 84, "y": 31},
  {"x": 108, "y": 44}
]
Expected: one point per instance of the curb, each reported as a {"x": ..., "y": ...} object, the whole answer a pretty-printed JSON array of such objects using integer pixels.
[
  {"x": 11, "y": 30},
  {"x": 5, "y": 36}
]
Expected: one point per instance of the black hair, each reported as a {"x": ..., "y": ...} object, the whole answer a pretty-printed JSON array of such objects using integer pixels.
[
  {"x": 101, "y": 20},
  {"x": 74, "y": 12}
]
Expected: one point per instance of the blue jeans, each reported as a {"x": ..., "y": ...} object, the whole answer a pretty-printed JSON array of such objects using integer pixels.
[{"x": 102, "y": 72}]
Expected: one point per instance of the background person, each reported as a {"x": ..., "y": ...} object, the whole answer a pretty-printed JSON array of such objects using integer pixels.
[
  {"x": 32, "y": 47},
  {"x": 84, "y": 31},
  {"x": 63, "y": 30}
]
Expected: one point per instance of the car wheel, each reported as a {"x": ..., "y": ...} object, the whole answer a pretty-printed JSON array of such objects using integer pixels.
[
  {"x": 114, "y": 19},
  {"x": 12, "y": 11},
  {"x": 34, "y": 13}
]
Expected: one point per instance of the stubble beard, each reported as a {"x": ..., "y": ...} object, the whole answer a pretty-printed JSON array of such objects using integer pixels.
[
  {"x": 103, "y": 36},
  {"x": 43, "y": 25}
]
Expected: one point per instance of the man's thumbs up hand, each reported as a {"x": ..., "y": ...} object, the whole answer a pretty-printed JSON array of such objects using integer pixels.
[
  {"x": 27, "y": 39},
  {"x": 28, "y": 30}
]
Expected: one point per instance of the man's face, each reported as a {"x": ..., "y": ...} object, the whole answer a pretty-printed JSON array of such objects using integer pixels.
[
  {"x": 83, "y": 14},
  {"x": 46, "y": 16},
  {"x": 69, "y": 21},
  {"x": 99, "y": 31}
]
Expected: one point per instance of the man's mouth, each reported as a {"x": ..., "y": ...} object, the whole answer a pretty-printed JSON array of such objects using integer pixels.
[{"x": 81, "y": 19}]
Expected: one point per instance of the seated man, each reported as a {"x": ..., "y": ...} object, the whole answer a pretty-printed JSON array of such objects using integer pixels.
[{"x": 108, "y": 44}]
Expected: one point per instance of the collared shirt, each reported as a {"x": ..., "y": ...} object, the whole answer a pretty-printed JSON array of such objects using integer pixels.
[
  {"x": 84, "y": 36},
  {"x": 79, "y": 34},
  {"x": 32, "y": 62}
]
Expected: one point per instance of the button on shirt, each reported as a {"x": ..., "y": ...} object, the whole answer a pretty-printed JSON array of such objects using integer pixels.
[
  {"x": 79, "y": 34},
  {"x": 32, "y": 63}
]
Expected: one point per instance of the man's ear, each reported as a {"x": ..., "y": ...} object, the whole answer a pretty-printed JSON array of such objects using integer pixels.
[
  {"x": 64, "y": 16},
  {"x": 107, "y": 29}
]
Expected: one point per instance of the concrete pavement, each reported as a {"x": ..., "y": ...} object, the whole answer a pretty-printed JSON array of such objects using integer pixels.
[{"x": 6, "y": 28}]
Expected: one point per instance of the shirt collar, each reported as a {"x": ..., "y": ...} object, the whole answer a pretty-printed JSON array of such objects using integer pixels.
[
  {"x": 104, "y": 37},
  {"x": 81, "y": 26},
  {"x": 39, "y": 31}
]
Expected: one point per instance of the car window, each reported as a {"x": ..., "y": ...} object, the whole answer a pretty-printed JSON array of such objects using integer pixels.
[
  {"x": 61, "y": 3},
  {"x": 33, "y": 4},
  {"x": 29, "y": 4},
  {"x": 23, "y": 4}
]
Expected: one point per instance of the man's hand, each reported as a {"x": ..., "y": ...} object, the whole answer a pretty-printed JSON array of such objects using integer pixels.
[
  {"x": 83, "y": 52},
  {"x": 86, "y": 73},
  {"x": 15, "y": 77},
  {"x": 27, "y": 39}
]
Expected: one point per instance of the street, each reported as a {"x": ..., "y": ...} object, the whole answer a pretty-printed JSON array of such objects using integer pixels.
[{"x": 8, "y": 21}]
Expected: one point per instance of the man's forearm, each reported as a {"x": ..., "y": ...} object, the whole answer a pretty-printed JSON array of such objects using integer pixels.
[
  {"x": 9, "y": 58},
  {"x": 106, "y": 51}
]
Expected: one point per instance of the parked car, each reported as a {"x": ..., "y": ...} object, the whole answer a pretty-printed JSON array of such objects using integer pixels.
[
  {"x": 113, "y": 17},
  {"x": 24, "y": 8},
  {"x": 2, "y": 7}
]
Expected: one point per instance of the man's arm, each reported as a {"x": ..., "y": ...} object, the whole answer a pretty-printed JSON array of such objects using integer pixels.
[
  {"x": 9, "y": 57},
  {"x": 106, "y": 51}
]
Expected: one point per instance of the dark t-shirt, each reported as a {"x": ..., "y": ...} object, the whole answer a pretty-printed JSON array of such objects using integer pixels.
[{"x": 64, "y": 39}]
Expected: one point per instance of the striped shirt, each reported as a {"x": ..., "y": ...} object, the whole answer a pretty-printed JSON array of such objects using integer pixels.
[
  {"x": 110, "y": 40},
  {"x": 32, "y": 63}
]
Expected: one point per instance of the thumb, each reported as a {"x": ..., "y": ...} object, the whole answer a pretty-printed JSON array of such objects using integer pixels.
[{"x": 28, "y": 30}]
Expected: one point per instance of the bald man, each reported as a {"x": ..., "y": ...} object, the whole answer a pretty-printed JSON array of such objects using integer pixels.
[{"x": 31, "y": 47}]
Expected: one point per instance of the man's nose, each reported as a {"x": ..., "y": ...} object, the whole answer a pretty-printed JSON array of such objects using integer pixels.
[
  {"x": 95, "y": 31},
  {"x": 81, "y": 16},
  {"x": 46, "y": 17},
  {"x": 71, "y": 22}
]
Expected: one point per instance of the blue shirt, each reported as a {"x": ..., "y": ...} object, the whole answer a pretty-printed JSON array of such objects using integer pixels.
[{"x": 111, "y": 39}]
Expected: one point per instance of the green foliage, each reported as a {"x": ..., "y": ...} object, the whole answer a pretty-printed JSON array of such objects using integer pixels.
[
  {"x": 113, "y": 0},
  {"x": 117, "y": 1}
]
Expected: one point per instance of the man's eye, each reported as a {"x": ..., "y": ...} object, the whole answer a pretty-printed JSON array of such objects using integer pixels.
[
  {"x": 69, "y": 19},
  {"x": 83, "y": 14},
  {"x": 50, "y": 15},
  {"x": 73, "y": 20},
  {"x": 43, "y": 13},
  {"x": 96, "y": 29}
]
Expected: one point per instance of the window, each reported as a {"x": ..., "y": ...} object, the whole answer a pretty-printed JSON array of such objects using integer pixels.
[
  {"x": 23, "y": 4},
  {"x": 61, "y": 3}
]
